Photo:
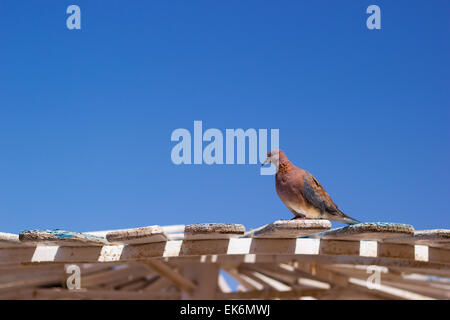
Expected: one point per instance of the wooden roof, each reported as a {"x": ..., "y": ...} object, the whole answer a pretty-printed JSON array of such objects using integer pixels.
[{"x": 293, "y": 259}]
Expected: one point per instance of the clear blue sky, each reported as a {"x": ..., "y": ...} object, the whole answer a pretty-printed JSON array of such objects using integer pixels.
[{"x": 86, "y": 116}]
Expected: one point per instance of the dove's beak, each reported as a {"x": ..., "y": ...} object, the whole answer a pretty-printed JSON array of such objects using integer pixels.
[{"x": 265, "y": 162}]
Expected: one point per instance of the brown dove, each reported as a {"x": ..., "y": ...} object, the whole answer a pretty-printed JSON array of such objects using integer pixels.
[{"x": 302, "y": 193}]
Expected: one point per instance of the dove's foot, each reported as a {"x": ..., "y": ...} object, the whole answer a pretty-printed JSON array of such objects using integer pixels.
[{"x": 298, "y": 218}]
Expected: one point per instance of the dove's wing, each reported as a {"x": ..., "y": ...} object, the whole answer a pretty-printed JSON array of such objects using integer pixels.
[{"x": 315, "y": 194}]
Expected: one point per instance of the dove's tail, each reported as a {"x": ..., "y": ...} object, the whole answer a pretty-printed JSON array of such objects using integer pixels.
[{"x": 346, "y": 219}]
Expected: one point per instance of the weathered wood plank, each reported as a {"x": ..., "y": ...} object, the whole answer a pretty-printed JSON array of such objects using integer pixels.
[
  {"x": 55, "y": 294},
  {"x": 274, "y": 271},
  {"x": 175, "y": 277},
  {"x": 141, "y": 235},
  {"x": 289, "y": 229},
  {"x": 157, "y": 285},
  {"x": 421, "y": 267},
  {"x": 60, "y": 238},
  {"x": 382, "y": 288},
  {"x": 343, "y": 280},
  {"x": 50, "y": 279},
  {"x": 369, "y": 231},
  {"x": 271, "y": 282},
  {"x": 113, "y": 276},
  {"x": 213, "y": 249},
  {"x": 435, "y": 238},
  {"x": 248, "y": 283},
  {"x": 352, "y": 293},
  {"x": 213, "y": 231},
  {"x": 322, "y": 274},
  {"x": 270, "y": 294},
  {"x": 24, "y": 277},
  {"x": 205, "y": 276},
  {"x": 424, "y": 286},
  {"x": 138, "y": 284}
]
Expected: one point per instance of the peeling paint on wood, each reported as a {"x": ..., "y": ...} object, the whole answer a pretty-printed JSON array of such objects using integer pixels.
[{"x": 60, "y": 238}]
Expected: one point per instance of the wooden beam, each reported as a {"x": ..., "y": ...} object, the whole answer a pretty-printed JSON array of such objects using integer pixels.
[
  {"x": 50, "y": 279},
  {"x": 138, "y": 283},
  {"x": 113, "y": 277},
  {"x": 250, "y": 248},
  {"x": 344, "y": 281},
  {"x": 248, "y": 283},
  {"x": 428, "y": 290},
  {"x": 167, "y": 230},
  {"x": 274, "y": 271},
  {"x": 391, "y": 290},
  {"x": 369, "y": 231},
  {"x": 322, "y": 274},
  {"x": 205, "y": 277},
  {"x": 60, "y": 238},
  {"x": 159, "y": 284},
  {"x": 141, "y": 235},
  {"x": 269, "y": 281},
  {"x": 170, "y": 274},
  {"x": 25, "y": 272},
  {"x": 289, "y": 229},
  {"x": 341, "y": 280},
  {"x": 434, "y": 238},
  {"x": 270, "y": 294},
  {"x": 56, "y": 294},
  {"x": 250, "y": 275},
  {"x": 352, "y": 293},
  {"x": 425, "y": 286},
  {"x": 213, "y": 231},
  {"x": 405, "y": 264},
  {"x": 287, "y": 274}
]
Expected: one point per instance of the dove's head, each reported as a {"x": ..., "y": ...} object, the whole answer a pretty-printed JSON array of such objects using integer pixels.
[{"x": 274, "y": 157}]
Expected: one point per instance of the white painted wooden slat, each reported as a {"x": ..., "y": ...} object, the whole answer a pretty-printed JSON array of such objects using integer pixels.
[
  {"x": 391, "y": 290},
  {"x": 173, "y": 229}
]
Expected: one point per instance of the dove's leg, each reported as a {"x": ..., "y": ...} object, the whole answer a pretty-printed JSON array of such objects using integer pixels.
[{"x": 297, "y": 216}]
